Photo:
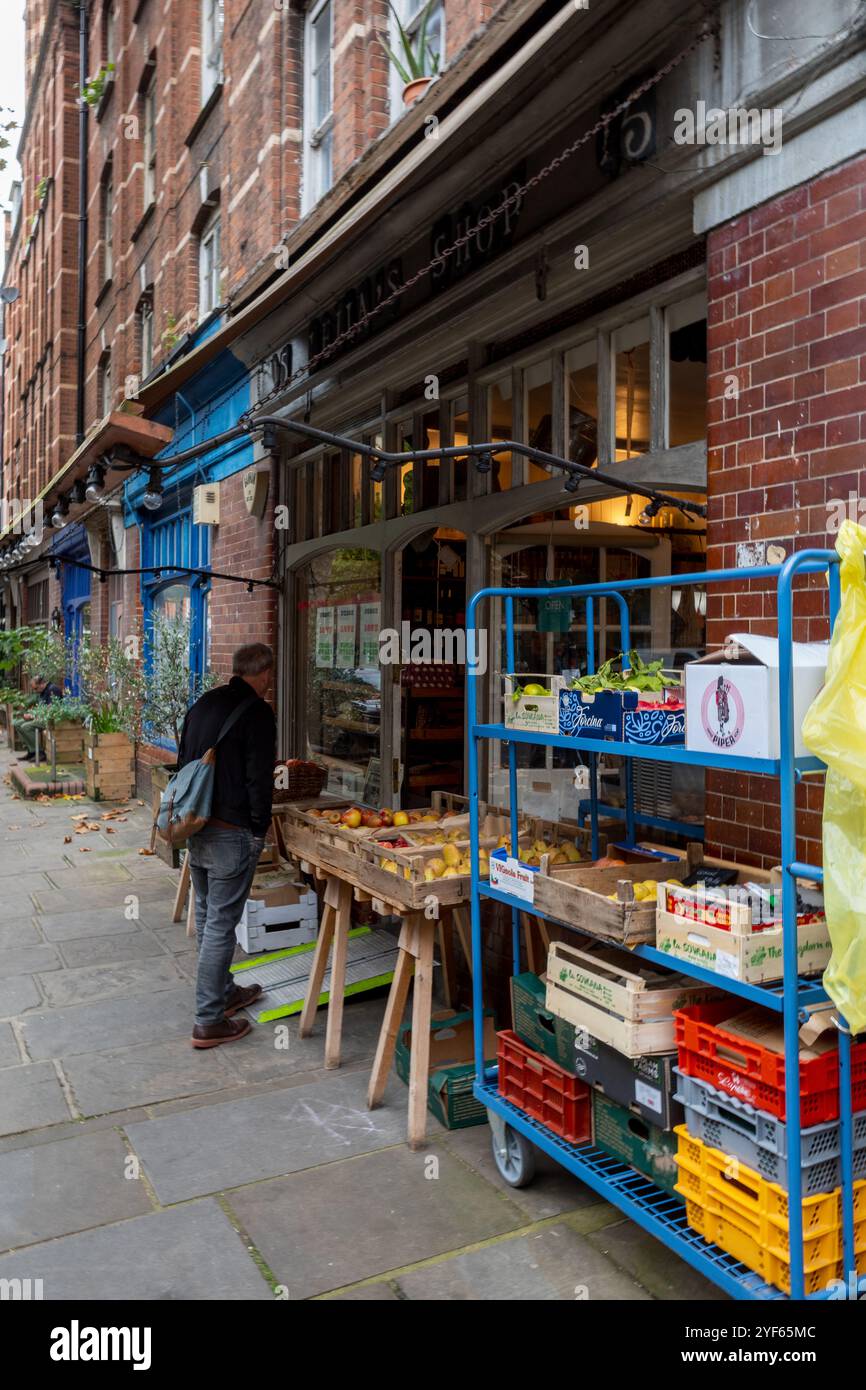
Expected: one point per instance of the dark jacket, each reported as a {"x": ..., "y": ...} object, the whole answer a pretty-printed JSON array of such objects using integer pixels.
[
  {"x": 50, "y": 693},
  {"x": 244, "y": 775}
]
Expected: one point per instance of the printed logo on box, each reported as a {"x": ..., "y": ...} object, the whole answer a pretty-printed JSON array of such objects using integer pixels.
[{"x": 722, "y": 713}]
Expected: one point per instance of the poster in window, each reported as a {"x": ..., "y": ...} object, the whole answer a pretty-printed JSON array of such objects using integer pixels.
[
  {"x": 371, "y": 624},
  {"x": 347, "y": 616},
  {"x": 325, "y": 638}
]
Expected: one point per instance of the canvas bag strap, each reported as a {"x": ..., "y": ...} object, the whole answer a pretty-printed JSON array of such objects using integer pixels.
[{"x": 235, "y": 716}]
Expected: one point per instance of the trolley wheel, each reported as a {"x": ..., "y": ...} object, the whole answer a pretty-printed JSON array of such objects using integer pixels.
[{"x": 513, "y": 1155}]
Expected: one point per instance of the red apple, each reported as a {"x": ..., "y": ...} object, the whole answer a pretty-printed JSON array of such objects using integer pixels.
[{"x": 351, "y": 818}]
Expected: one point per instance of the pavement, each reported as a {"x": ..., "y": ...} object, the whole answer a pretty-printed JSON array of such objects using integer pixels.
[{"x": 133, "y": 1167}]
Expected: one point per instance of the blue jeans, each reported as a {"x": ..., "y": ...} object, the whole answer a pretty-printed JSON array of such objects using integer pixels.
[{"x": 222, "y": 864}]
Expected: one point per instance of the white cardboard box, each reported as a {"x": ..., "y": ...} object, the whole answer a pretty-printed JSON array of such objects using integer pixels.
[
  {"x": 286, "y": 915},
  {"x": 732, "y": 696}
]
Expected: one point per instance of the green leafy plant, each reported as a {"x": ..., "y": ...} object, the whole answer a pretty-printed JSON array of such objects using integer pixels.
[
  {"x": 12, "y": 646},
  {"x": 111, "y": 685},
  {"x": 636, "y": 675},
  {"x": 169, "y": 686},
  {"x": 45, "y": 654},
  {"x": 417, "y": 58},
  {"x": 94, "y": 87},
  {"x": 170, "y": 337},
  {"x": 67, "y": 709}
]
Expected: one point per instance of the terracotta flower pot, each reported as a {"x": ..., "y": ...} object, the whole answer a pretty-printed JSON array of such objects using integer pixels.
[{"x": 415, "y": 89}]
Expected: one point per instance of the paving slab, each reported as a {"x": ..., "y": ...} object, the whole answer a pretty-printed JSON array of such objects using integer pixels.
[
  {"x": 24, "y": 884},
  {"x": 9, "y": 1054},
  {"x": 553, "y": 1263},
  {"x": 17, "y": 994},
  {"x": 368, "y": 1293},
  {"x": 416, "y": 1205},
  {"x": 109, "y": 1023},
  {"x": 655, "y": 1267},
  {"x": 109, "y": 950},
  {"x": 89, "y": 922},
  {"x": 54, "y": 1189},
  {"x": 258, "y": 1058},
  {"x": 30, "y": 1097},
  {"x": 123, "y": 1077},
  {"x": 216, "y": 1147},
  {"x": 82, "y": 870},
  {"x": 189, "y": 1254},
  {"x": 100, "y": 895},
  {"x": 28, "y": 960},
  {"x": 19, "y": 930},
  {"x": 105, "y": 981},
  {"x": 553, "y": 1190}
]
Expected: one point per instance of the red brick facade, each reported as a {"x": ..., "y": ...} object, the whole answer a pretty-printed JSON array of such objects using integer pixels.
[{"x": 786, "y": 429}]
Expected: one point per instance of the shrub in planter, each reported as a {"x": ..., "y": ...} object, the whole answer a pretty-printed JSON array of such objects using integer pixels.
[{"x": 63, "y": 721}]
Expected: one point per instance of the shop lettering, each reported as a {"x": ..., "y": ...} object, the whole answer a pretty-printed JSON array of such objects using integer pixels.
[
  {"x": 352, "y": 309},
  {"x": 478, "y": 238},
  {"x": 422, "y": 646}
]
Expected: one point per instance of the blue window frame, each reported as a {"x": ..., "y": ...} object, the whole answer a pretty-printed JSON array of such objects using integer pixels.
[{"x": 166, "y": 545}]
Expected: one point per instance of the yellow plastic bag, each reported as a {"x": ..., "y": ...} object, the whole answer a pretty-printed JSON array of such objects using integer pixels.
[{"x": 834, "y": 729}]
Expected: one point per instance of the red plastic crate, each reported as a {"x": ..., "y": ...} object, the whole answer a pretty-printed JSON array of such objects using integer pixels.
[
  {"x": 756, "y": 1075},
  {"x": 544, "y": 1090}
]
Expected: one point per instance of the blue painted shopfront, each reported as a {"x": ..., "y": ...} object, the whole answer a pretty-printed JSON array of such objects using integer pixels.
[
  {"x": 74, "y": 590},
  {"x": 209, "y": 404}
]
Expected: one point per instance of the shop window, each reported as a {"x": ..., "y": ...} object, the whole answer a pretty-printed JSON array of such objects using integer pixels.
[
  {"x": 428, "y": 470},
  {"x": 411, "y": 14},
  {"x": 340, "y": 609},
  {"x": 211, "y": 47},
  {"x": 686, "y": 326},
  {"x": 209, "y": 268},
  {"x": 538, "y": 406},
  {"x": 318, "y": 103},
  {"x": 145, "y": 329},
  {"x": 108, "y": 35},
  {"x": 459, "y": 435},
  {"x": 581, "y": 404},
  {"x": 500, "y": 415},
  {"x": 631, "y": 349},
  {"x": 406, "y": 477},
  {"x": 170, "y": 544}
]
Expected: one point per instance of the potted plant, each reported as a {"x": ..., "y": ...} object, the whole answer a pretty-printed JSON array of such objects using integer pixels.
[
  {"x": 417, "y": 63},
  {"x": 169, "y": 690},
  {"x": 64, "y": 723},
  {"x": 112, "y": 687}
]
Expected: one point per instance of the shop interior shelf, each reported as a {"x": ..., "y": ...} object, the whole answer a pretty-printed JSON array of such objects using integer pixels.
[
  {"x": 770, "y": 996},
  {"x": 662, "y": 753}
]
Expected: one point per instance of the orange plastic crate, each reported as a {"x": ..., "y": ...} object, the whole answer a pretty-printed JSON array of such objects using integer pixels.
[
  {"x": 753, "y": 1073},
  {"x": 543, "y": 1090}
]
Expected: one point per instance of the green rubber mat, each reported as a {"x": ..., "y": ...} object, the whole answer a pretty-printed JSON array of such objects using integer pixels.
[{"x": 284, "y": 975}]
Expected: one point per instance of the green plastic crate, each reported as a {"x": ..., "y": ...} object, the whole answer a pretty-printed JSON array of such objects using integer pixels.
[
  {"x": 452, "y": 1067},
  {"x": 535, "y": 1025},
  {"x": 639, "y": 1144}
]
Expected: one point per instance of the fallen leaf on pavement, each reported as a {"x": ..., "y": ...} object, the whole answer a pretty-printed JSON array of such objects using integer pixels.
[
  {"x": 84, "y": 849},
  {"x": 147, "y": 851},
  {"x": 67, "y": 839}
]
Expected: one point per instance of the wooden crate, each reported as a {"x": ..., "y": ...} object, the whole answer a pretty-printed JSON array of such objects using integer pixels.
[
  {"x": 621, "y": 1001},
  {"x": 65, "y": 742},
  {"x": 755, "y": 957},
  {"x": 580, "y": 896},
  {"x": 109, "y": 767}
]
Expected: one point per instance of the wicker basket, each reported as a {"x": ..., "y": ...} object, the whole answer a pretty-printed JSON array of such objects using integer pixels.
[{"x": 303, "y": 781}]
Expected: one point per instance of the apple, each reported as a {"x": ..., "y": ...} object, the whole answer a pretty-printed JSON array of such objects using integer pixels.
[
  {"x": 351, "y": 818},
  {"x": 400, "y": 818},
  {"x": 386, "y": 816},
  {"x": 370, "y": 818}
]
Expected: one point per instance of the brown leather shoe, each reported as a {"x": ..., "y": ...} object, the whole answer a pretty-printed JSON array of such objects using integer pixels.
[
  {"x": 240, "y": 998},
  {"x": 213, "y": 1034}
]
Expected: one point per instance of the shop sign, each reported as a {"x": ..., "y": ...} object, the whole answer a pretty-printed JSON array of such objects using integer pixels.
[
  {"x": 554, "y": 614},
  {"x": 352, "y": 307},
  {"x": 347, "y": 614},
  {"x": 483, "y": 242},
  {"x": 371, "y": 627},
  {"x": 325, "y": 638}
]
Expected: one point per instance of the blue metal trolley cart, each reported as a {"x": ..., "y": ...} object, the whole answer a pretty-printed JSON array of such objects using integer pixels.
[{"x": 516, "y": 1134}]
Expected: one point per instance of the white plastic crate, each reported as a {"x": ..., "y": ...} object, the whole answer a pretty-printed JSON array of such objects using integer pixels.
[{"x": 264, "y": 928}]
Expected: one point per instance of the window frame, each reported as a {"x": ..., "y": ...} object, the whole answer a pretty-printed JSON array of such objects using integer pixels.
[
  {"x": 107, "y": 222},
  {"x": 105, "y": 384},
  {"x": 209, "y": 283},
  {"x": 315, "y": 138},
  {"x": 148, "y": 101},
  {"x": 146, "y": 333},
  {"x": 409, "y": 13},
  {"x": 212, "y": 32}
]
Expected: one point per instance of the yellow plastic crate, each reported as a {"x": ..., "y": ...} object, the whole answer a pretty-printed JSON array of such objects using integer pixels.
[{"x": 736, "y": 1209}]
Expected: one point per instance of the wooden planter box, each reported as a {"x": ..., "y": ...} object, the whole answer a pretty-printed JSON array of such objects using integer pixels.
[
  {"x": 159, "y": 780},
  {"x": 65, "y": 742},
  {"x": 109, "y": 767}
]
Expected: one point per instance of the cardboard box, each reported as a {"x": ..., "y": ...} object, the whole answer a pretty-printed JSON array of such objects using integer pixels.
[
  {"x": 732, "y": 696},
  {"x": 614, "y": 714},
  {"x": 755, "y": 957},
  {"x": 643, "y": 1146},
  {"x": 451, "y": 1073},
  {"x": 535, "y": 1025},
  {"x": 538, "y": 713},
  {"x": 645, "y": 1085}
]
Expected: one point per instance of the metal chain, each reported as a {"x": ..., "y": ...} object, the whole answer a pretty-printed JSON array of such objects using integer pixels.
[{"x": 607, "y": 119}]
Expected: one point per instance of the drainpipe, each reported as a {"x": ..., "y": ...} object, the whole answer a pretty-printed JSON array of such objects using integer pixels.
[{"x": 82, "y": 218}]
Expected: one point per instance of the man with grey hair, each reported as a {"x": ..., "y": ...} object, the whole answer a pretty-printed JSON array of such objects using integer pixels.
[{"x": 223, "y": 856}]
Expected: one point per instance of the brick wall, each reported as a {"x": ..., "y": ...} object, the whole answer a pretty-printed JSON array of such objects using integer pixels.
[{"x": 786, "y": 431}]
